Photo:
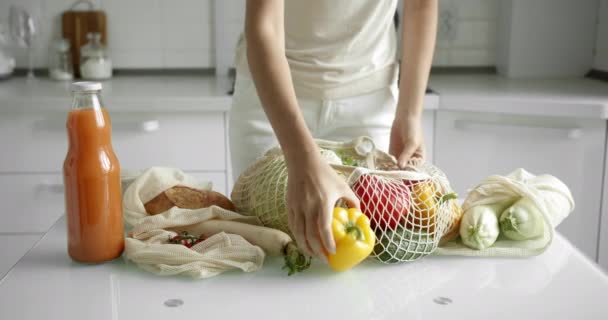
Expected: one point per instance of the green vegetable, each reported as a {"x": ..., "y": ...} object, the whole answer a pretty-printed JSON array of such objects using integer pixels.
[
  {"x": 522, "y": 221},
  {"x": 479, "y": 227},
  {"x": 330, "y": 156},
  {"x": 346, "y": 159},
  {"x": 403, "y": 245}
]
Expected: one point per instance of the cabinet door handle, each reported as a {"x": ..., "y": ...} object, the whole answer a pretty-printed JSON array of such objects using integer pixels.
[
  {"x": 146, "y": 126},
  {"x": 510, "y": 128},
  {"x": 52, "y": 187}
]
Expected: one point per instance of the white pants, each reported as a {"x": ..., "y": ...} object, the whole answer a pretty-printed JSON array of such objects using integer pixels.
[{"x": 250, "y": 132}]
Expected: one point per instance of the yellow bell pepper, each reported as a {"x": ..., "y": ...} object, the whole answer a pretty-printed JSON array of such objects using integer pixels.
[
  {"x": 426, "y": 200},
  {"x": 353, "y": 236}
]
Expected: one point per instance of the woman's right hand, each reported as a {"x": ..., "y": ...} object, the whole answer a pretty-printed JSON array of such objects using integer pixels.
[{"x": 313, "y": 189}]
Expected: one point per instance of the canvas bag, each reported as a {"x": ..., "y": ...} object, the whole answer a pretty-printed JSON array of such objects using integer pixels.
[
  {"x": 550, "y": 195},
  {"x": 146, "y": 243}
]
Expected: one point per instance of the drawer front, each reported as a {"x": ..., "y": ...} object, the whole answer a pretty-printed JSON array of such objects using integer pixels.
[
  {"x": 471, "y": 146},
  {"x": 31, "y": 202},
  {"x": 188, "y": 141}
]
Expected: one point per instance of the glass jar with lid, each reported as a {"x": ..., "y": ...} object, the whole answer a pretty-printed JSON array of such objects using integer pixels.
[
  {"x": 60, "y": 60},
  {"x": 95, "y": 62}
]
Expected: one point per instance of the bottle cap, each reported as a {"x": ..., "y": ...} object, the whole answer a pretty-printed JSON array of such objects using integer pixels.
[{"x": 86, "y": 86}]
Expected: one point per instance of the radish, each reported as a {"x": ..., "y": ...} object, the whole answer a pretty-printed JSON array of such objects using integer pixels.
[{"x": 273, "y": 242}]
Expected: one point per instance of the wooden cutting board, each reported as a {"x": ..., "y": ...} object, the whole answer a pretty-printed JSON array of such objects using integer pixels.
[{"x": 76, "y": 24}]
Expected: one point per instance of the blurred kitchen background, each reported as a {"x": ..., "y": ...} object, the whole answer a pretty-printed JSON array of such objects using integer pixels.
[
  {"x": 562, "y": 37},
  {"x": 515, "y": 83}
]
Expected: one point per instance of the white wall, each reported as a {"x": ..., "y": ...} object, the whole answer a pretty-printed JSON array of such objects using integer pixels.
[
  {"x": 546, "y": 38},
  {"x": 179, "y": 33},
  {"x": 601, "y": 46}
]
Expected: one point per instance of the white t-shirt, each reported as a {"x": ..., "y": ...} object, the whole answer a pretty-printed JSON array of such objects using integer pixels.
[{"x": 337, "y": 48}]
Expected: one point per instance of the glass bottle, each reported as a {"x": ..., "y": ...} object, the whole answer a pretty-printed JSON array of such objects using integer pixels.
[{"x": 91, "y": 173}]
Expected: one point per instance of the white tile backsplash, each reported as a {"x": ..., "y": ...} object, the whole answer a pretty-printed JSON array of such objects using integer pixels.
[
  {"x": 187, "y": 36},
  {"x": 476, "y": 9},
  {"x": 179, "y": 33},
  {"x": 474, "y": 41},
  {"x": 441, "y": 58},
  {"x": 133, "y": 11},
  {"x": 464, "y": 35},
  {"x": 187, "y": 11},
  {"x": 128, "y": 36},
  {"x": 483, "y": 34},
  {"x": 141, "y": 33}
]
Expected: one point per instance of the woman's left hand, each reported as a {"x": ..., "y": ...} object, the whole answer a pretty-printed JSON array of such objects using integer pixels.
[{"x": 406, "y": 142}]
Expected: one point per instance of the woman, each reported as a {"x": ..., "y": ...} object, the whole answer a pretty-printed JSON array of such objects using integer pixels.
[{"x": 328, "y": 69}]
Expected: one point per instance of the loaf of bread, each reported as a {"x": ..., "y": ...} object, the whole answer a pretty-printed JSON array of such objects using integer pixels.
[{"x": 187, "y": 198}]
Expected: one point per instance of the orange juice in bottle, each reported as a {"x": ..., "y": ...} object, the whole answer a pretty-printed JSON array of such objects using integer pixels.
[{"x": 91, "y": 175}]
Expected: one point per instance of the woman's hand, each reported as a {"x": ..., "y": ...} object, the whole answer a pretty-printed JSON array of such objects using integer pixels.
[
  {"x": 418, "y": 44},
  {"x": 313, "y": 188},
  {"x": 407, "y": 142}
]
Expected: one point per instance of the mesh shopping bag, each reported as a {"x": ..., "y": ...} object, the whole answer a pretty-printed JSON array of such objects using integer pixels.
[{"x": 411, "y": 211}]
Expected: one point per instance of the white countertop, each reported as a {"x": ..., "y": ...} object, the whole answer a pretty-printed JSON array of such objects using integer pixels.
[
  {"x": 559, "y": 284},
  {"x": 133, "y": 94},
  {"x": 122, "y": 93},
  {"x": 579, "y": 98}
]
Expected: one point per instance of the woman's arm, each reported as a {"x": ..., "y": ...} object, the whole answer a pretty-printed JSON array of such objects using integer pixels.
[
  {"x": 264, "y": 31},
  {"x": 418, "y": 44},
  {"x": 313, "y": 187}
]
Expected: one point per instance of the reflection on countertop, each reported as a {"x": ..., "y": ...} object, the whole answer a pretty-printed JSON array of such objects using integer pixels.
[{"x": 554, "y": 283}]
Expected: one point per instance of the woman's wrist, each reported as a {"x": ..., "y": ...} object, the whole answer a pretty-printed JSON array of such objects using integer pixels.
[
  {"x": 299, "y": 159},
  {"x": 408, "y": 111}
]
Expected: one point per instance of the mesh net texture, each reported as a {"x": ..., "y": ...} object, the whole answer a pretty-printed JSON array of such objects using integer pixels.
[{"x": 410, "y": 211}]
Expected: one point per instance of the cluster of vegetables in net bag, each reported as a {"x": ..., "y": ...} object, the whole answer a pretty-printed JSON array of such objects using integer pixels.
[{"x": 410, "y": 211}]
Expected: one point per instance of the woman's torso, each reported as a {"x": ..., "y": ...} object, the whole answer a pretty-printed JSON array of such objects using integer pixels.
[{"x": 337, "y": 48}]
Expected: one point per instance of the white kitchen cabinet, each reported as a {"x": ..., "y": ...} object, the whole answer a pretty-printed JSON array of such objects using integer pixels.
[
  {"x": 34, "y": 147},
  {"x": 33, "y": 202},
  {"x": 190, "y": 141},
  {"x": 471, "y": 146}
]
